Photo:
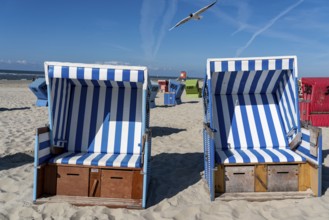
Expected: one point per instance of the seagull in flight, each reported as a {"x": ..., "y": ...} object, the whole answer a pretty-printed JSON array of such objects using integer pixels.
[{"x": 195, "y": 15}]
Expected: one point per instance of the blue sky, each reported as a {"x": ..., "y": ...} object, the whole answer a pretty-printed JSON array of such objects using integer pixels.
[{"x": 135, "y": 32}]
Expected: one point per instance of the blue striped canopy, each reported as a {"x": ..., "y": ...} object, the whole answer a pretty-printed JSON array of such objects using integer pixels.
[
  {"x": 254, "y": 108},
  {"x": 97, "y": 109}
]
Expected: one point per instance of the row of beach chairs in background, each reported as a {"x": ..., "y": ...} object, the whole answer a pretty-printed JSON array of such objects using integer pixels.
[{"x": 96, "y": 149}]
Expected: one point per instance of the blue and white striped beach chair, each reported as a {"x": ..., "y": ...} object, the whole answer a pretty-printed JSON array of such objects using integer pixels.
[
  {"x": 177, "y": 88},
  {"x": 253, "y": 138},
  {"x": 97, "y": 145},
  {"x": 154, "y": 91}
]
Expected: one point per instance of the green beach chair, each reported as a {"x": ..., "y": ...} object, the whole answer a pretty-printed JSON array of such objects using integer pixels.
[{"x": 192, "y": 88}]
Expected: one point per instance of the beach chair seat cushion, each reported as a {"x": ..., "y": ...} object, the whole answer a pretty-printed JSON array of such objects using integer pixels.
[
  {"x": 260, "y": 155},
  {"x": 98, "y": 159}
]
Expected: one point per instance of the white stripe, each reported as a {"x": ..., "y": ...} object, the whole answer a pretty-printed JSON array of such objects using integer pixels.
[
  {"x": 73, "y": 160},
  {"x": 73, "y": 72},
  {"x": 118, "y": 75},
  {"x": 214, "y": 83},
  {"x": 102, "y": 74},
  {"x": 227, "y": 121},
  {"x": 56, "y": 113},
  {"x": 273, "y": 82},
  {"x": 66, "y": 111},
  {"x": 245, "y": 65},
  {"x": 281, "y": 156},
  {"x": 102, "y": 162},
  {"x": 125, "y": 119},
  {"x": 59, "y": 158},
  {"x": 133, "y": 160},
  {"x": 44, "y": 152},
  {"x": 305, "y": 144},
  {"x": 307, "y": 157},
  {"x": 276, "y": 121},
  {"x": 238, "y": 158},
  {"x": 118, "y": 160},
  {"x": 138, "y": 122},
  {"x": 239, "y": 122},
  {"x": 217, "y": 66},
  {"x": 261, "y": 81},
  {"x": 100, "y": 118},
  {"x": 223, "y": 157},
  {"x": 297, "y": 158},
  {"x": 252, "y": 157},
  {"x": 88, "y": 160},
  {"x": 57, "y": 72},
  {"x": 263, "y": 119},
  {"x": 231, "y": 65},
  {"x": 225, "y": 83},
  {"x": 252, "y": 124},
  {"x": 306, "y": 131},
  {"x": 282, "y": 112},
  {"x": 87, "y": 118},
  {"x": 251, "y": 76},
  {"x": 63, "y": 110},
  {"x": 266, "y": 157},
  {"x": 87, "y": 74},
  {"x": 44, "y": 137},
  {"x": 285, "y": 103},
  {"x": 216, "y": 124},
  {"x": 271, "y": 64},
  {"x": 74, "y": 119},
  {"x": 285, "y": 64},
  {"x": 258, "y": 65},
  {"x": 133, "y": 76},
  {"x": 112, "y": 122},
  {"x": 237, "y": 82}
]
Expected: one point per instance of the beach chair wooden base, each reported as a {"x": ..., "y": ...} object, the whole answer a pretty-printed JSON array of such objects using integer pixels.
[
  {"x": 90, "y": 185},
  {"x": 295, "y": 179}
]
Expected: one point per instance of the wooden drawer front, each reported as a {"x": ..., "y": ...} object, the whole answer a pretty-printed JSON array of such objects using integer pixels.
[
  {"x": 282, "y": 178},
  {"x": 72, "y": 181},
  {"x": 239, "y": 179},
  {"x": 116, "y": 183}
]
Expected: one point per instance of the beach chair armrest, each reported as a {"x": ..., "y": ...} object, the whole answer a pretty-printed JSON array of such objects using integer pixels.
[
  {"x": 144, "y": 140},
  {"x": 296, "y": 141},
  {"x": 209, "y": 130}
]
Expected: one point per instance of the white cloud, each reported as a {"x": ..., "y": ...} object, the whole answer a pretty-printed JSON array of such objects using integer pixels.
[{"x": 267, "y": 26}]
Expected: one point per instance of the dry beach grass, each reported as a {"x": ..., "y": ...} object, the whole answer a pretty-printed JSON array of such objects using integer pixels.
[{"x": 177, "y": 189}]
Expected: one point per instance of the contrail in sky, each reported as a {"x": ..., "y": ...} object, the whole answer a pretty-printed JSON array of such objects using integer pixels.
[
  {"x": 267, "y": 26},
  {"x": 155, "y": 19}
]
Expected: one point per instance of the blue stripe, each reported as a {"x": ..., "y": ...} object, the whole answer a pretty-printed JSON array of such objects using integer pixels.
[
  {"x": 259, "y": 157},
  {"x": 132, "y": 120},
  {"x": 66, "y": 159},
  {"x": 95, "y": 161},
  {"x": 81, "y": 117},
  {"x": 110, "y": 161},
  {"x": 106, "y": 120},
  {"x": 50, "y": 71},
  {"x": 118, "y": 129},
  {"x": 238, "y": 65},
  {"x": 140, "y": 76},
  {"x": 306, "y": 153},
  {"x": 231, "y": 81},
  {"x": 110, "y": 74},
  {"x": 124, "y": 162},
  {"x": 305, "y": 137},
  {"x": 288, "y": 108},
  {"x": 245, "y": 121},
  {"x": 59, "y": 110},
  {"x": 251, "y": 65},
  {"x": 292, "y": 97},
  {"x": 275, "y": 158},
  {"x": 44, "y": 159},
  {"x": 65, "y": 108},
  {"x": 267, "y": 81},
  {"x": 244, "y": 156},
  {"x": 68, "y": 129},
  {"x": 264, "y": 64},
  {"x": 221, "y": 122},
  {"x": 280, "y": 119},
  {"x": 288, "y": 156},
  {"x": 258, "y": 122},
  {"x": 126, "y": 75},
  {"x": 44, "y": 144},
  {"x": 278, "y": 64},
  {"x": 269, "y": 117},
  {"x": 55, "y": 81},
  {"x": 65, "y": 72},
  {"x": 82, "y": 158},
  {"x": 243, "y": 82},
  {"x": 224, "y": 66},
  {"x": 291, "y": 64},
  {"x": 212, "y": 66},
  {"x": 255, "y": 82},
  {"x": 230, "y": 156},
  {"x": 80, "y": 73},
  {"x": 219, "y": 83},
  {"x": 95, "y": 74},
  {"x": 93, "y": 120}
]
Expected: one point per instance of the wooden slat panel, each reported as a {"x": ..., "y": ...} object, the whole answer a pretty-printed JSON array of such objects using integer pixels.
[
  {"x": 40, "y": 181},
  {"x": 260, "y": 178},
  {"x": 72, "y": 181},
  {"x": 219, "y": 179},
  {"x": 282, "y": 178},
  {"x": 137, "y": 185},
  {"x": 314, "y": 179},
  {"x": 116, "y": 184},
  {"x": 239, "y": 179},
  {"x": 95, "y": 182},
  {"x": 42, "y": 130},
  {"x": 304, "y": 177},
  {"x": 50, "y": 180}
]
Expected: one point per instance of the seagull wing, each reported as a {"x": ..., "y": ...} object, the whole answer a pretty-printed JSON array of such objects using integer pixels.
[
  {"x": 181, "y": 22},
  {"x": 204, "y": 8}
]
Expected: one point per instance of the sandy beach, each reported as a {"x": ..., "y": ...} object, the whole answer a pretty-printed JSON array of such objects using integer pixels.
[{"x": 177, "y": 189}]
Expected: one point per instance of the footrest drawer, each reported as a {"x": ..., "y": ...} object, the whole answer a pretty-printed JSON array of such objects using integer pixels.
[
  {"x": 282, "y": 178},
  {"x": 72, "y": 181},
  {"x": 239, "y": 179}
]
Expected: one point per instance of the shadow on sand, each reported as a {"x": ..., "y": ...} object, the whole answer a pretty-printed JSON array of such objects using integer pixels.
[
  {"x": 165, "y": 131},
  {"x": 172, "y": 173},
  {"x": 15, "y": 160}
]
